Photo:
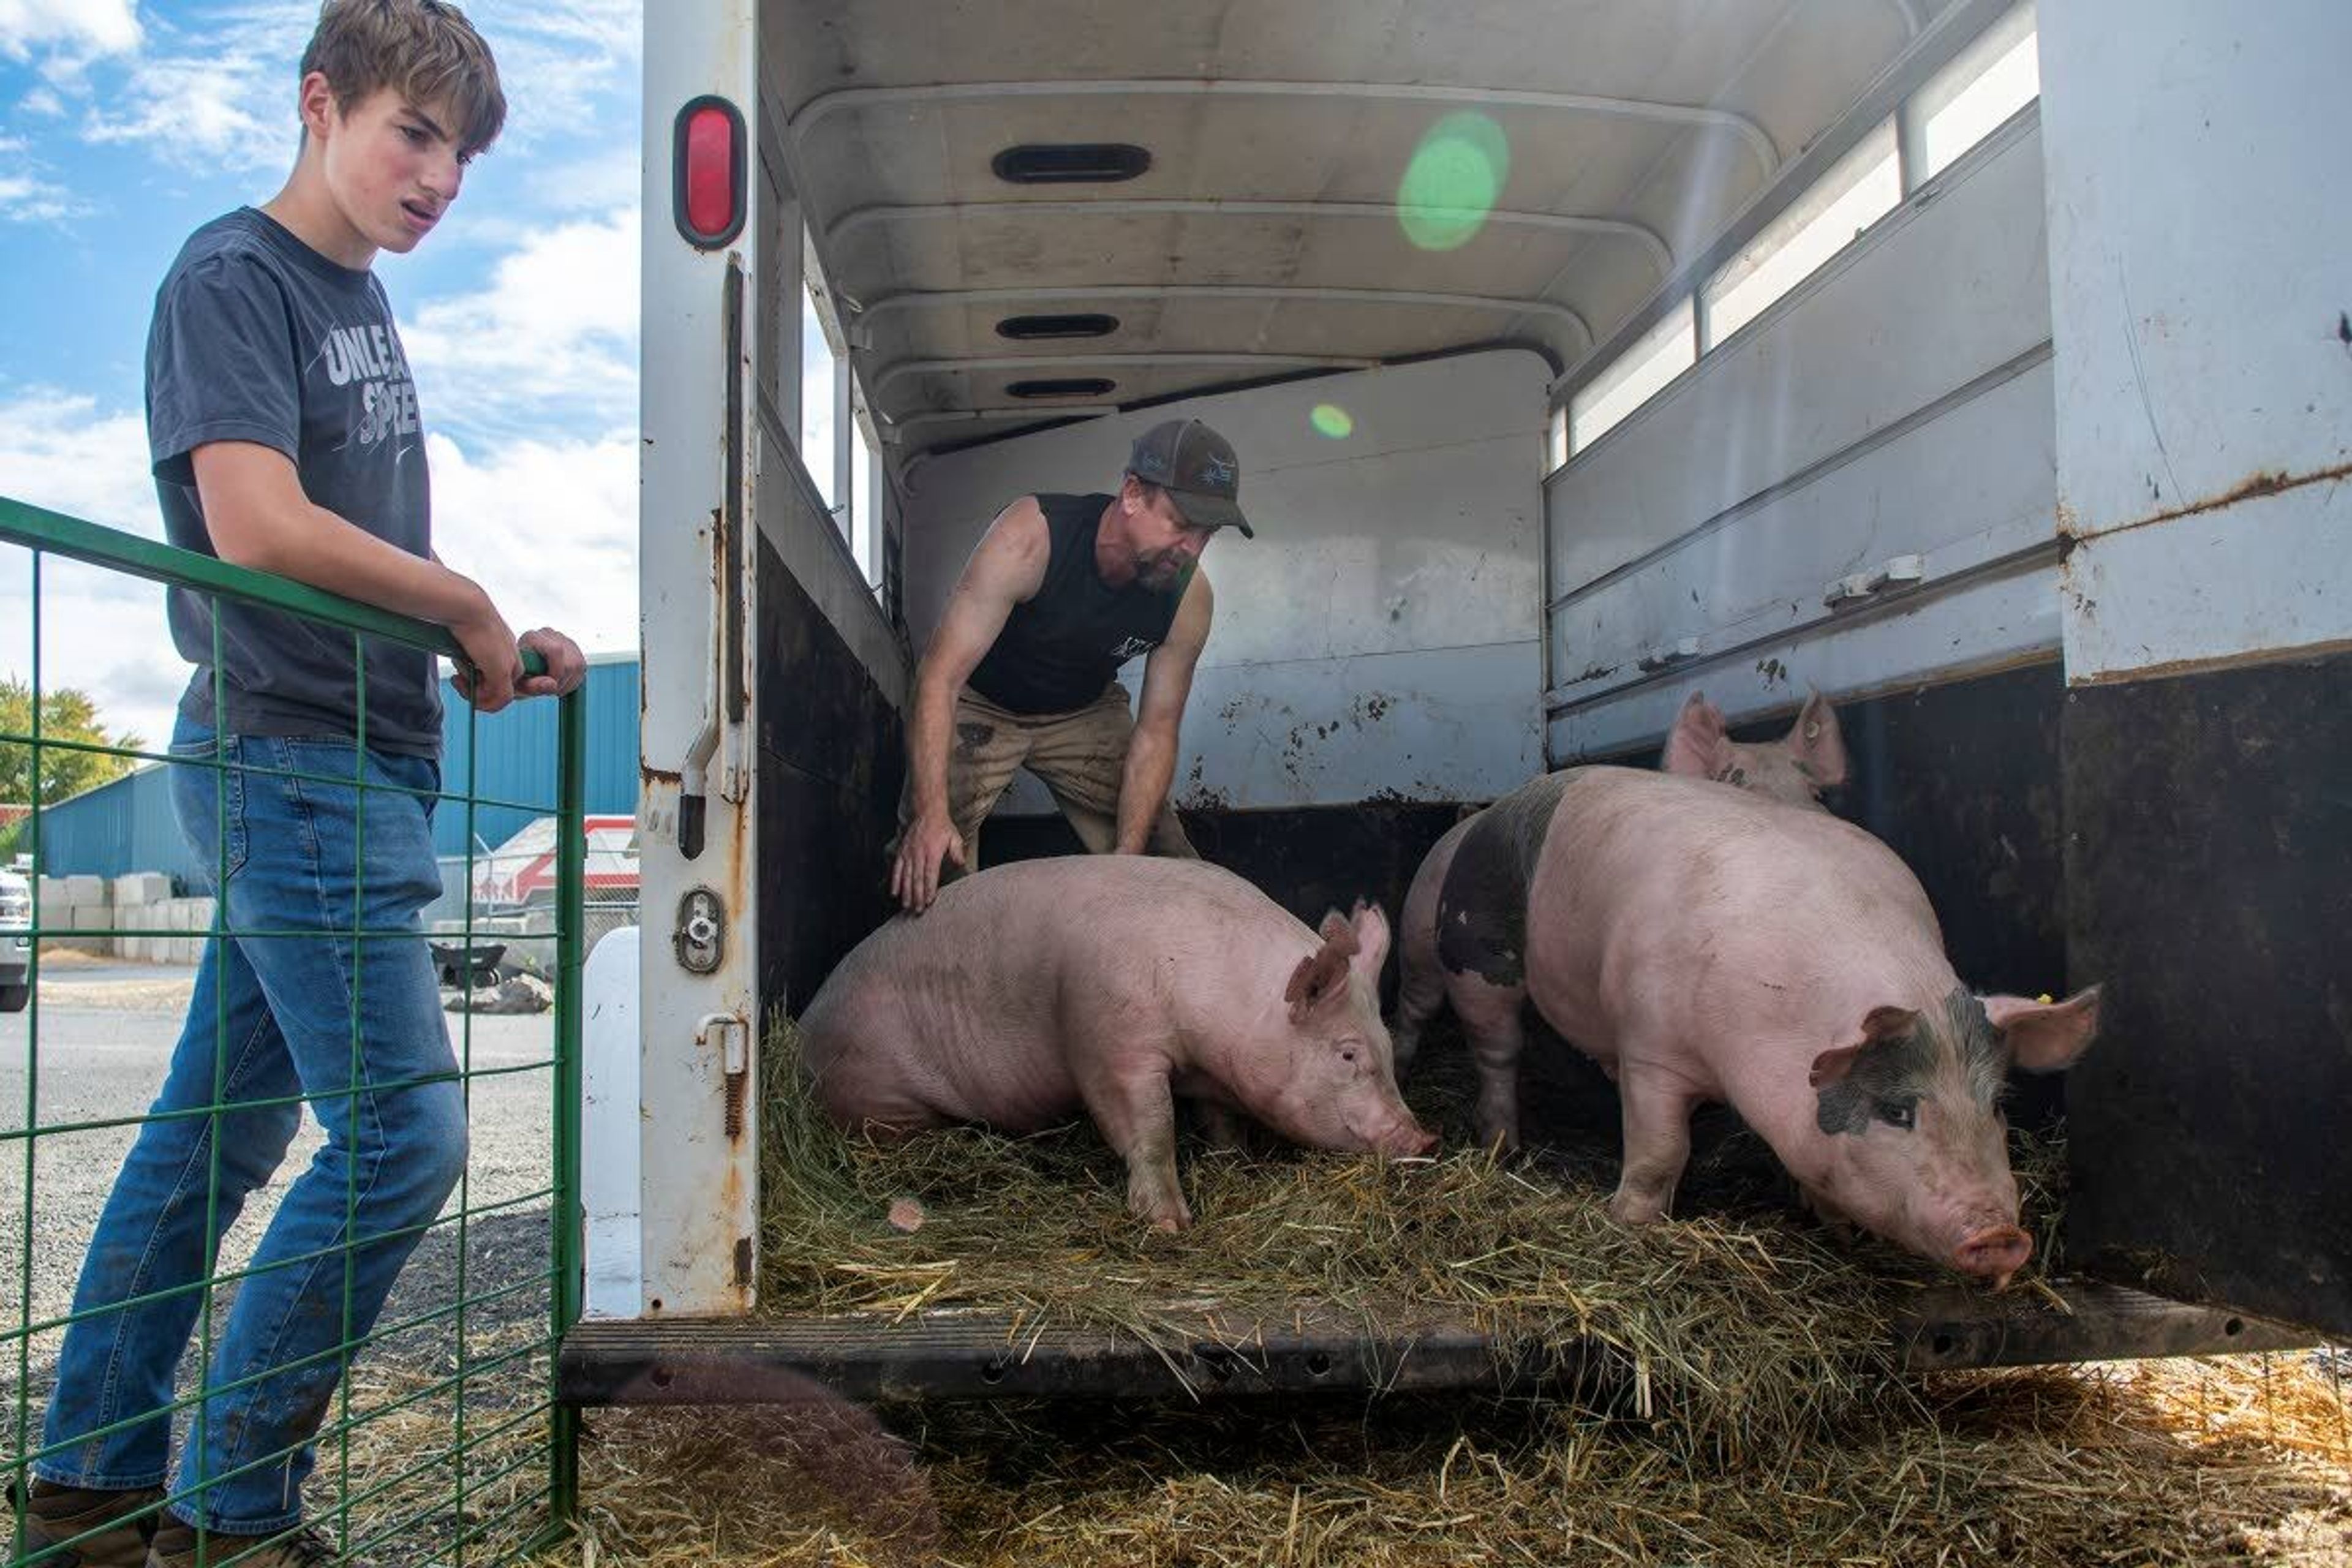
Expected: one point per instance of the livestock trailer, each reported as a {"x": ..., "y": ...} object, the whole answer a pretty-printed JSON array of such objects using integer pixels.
[{"x": 1985, "y": 370}]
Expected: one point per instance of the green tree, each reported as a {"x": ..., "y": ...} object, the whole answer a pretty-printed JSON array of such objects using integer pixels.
[{"x": 66, "y": 714}]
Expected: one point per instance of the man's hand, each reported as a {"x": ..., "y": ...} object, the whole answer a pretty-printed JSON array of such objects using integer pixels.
[
  {"x": 494, "y": 657},
  {"x": 566, "y": 665},
  {"x": 915, "y": 876}
]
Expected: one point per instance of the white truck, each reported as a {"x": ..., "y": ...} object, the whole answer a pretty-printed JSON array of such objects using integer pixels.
[
  {"x": 16, "y": 937},
  {"x": 1988, "y": 371}
]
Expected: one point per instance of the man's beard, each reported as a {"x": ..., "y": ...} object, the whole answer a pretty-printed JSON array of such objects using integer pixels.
[{"x": 1160, "y": 569}]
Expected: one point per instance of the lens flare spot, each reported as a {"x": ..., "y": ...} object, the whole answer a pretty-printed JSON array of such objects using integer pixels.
[
  {"x": 1330, "y": 419},
  {"x": 1453, "y": 180}
]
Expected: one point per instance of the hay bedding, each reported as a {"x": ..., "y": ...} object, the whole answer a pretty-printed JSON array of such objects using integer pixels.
[
  {"x": 1772, "y": 1431},
  {"x": 2163, "y": 1463},
  {"x": 1748, "y": 1322}
]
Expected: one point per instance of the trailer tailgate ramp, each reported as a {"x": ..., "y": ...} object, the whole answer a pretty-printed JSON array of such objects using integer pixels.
[{"x": 960, "y": 1354}]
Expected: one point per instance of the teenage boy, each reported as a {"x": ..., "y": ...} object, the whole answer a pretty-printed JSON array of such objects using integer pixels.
[{"x": 285, "y": 436}]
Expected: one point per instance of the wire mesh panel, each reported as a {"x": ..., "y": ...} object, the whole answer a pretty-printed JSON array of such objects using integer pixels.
[{"x": 319, "y": 1276}]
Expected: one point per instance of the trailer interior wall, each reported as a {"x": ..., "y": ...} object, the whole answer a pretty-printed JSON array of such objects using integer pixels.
[
  {"x": 829, "y": 673},
  {"x": 2203, "y": 308},
  {"x": 1375, "y": 642},
  {"x": 1896, "y": 405}
]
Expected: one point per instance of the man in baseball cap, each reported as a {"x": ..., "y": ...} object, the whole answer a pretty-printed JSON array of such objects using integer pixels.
[
  {"x": 1060, "y": 593},
  {"x": 1197, "y": 469}
]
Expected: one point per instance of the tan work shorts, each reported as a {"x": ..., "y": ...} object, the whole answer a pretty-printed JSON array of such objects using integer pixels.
[{"x": 1080, "y": 756}]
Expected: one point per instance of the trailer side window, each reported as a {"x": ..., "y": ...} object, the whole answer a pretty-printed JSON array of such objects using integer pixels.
[
  {"x": 837, "y": 435},
  {"x": 866, "y": 500},
  {"x": 1859, "y": 189},
  {"x": 817, "y": 371},
  {"x": 1659, "y": 355},
  {"x": 1983, "y": 86}
]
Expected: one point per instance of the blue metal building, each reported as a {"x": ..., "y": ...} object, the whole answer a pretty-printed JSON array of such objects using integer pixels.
[{"x": 507, "y": 757}]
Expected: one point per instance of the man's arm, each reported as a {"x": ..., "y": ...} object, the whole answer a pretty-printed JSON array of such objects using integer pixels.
[
  {"x": 258, "y": 517},
  {"x": 1007, "y": 567},
  {"x": 1159, "y": 715}
]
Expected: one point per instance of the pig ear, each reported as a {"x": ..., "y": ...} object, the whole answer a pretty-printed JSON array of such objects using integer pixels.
[
  {"x": 1696, "y": 746},
  {"x": 1324, "y": 974},
  {"x": 1879, "y": 1023},
  {"x": 1817, "y": 743},
  {"x": 1370, "y": 925},
  {"x": 2044, "y": 1037}
]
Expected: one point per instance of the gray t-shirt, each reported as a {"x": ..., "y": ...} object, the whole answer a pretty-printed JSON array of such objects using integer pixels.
[{"x": 258, "y": 338}]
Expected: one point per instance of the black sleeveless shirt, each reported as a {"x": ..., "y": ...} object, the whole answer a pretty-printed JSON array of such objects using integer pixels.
[{"x": 1059, "y": 650}]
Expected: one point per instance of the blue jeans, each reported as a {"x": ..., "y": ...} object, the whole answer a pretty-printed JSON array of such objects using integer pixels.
[{"x": 345, "y": 1022}]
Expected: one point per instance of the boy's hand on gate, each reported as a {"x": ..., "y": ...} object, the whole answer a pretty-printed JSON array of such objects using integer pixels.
[
  {"x": 566, "y": 665},
  {"x": 493, "y": 659}
]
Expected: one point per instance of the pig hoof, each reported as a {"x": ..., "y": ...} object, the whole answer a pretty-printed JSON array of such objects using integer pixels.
[{"x": 1627, "y": 1208}]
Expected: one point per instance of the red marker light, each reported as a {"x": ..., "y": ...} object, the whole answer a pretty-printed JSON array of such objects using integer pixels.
[{"x": 709, "y": 173}]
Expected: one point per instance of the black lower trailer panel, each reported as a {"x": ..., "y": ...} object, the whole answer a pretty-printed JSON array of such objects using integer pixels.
[{"x": 972, "y": 1356}]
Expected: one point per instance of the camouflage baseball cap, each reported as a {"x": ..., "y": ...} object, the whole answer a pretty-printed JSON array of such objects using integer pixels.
[{"x": 1197, "y": 467}]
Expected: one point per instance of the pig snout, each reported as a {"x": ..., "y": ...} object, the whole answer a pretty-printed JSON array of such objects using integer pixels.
[
  {"x": 1993, "y": 1253},
  {"x": 1408, "y": 1140}
]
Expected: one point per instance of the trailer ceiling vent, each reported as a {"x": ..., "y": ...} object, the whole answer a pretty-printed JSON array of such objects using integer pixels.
[
  {"x": 1063, "y": 386},
  {"x": 1070, "y": 163},
  {"x": 1081, "y": 324}
]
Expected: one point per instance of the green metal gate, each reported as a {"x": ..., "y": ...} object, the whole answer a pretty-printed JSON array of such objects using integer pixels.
[{"x": 446, "y": 1443}]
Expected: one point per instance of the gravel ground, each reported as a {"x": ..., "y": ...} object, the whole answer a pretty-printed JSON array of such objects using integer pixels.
[{"x": 106, "y": 1035}]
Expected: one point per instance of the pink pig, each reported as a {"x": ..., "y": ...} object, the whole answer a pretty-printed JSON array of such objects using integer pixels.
[
  {"x": 1706, "y": 943},
  {"x": 1119, "y": 985},
  {"x": 1796, "y": 768}
]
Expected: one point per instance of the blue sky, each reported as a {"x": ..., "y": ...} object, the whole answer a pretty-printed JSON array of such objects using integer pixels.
[{"x": 126, "y": 123}]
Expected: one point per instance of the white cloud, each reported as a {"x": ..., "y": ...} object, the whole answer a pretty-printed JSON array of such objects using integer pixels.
[
  {"x": 80, "y": 28},
  {"x": 25, "y": 196},
  {"x": 552, "y": 336},
  {"x": 549, "y": 528},
  {"x": 213, "y": 112},
  {"x": 42, "y": 102},
  {"x": 555, "y": 61},
  {"x": 26, "y": 200},
  {"x": 63, "y": 452}
]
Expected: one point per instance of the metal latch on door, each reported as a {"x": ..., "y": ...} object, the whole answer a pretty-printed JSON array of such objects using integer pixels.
[{"x": 733, "y": 1040}]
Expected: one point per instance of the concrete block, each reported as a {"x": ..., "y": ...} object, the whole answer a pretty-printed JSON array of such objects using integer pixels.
[
  {"x": 141, "y": 888},
  {"x": 57, "y": 913},
  {"x": 79, "y": 890},
  {"x": 133, "y": 948},
  {"x": 89, "y": 917},
  {"x": 200, "y": 915},
  {"x": 188, "y": 949},
  {"x": 179, "y": 914}
]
